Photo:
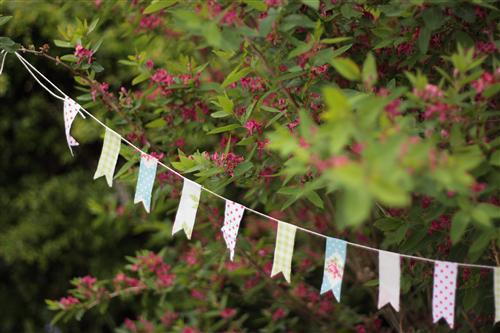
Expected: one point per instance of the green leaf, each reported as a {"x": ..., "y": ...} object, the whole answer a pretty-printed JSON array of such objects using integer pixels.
[
  {"x": 62, "y": 43},
  {"x": 341, "y": 50},
  {"x": 481, "y": 242},
  {"x": 220, "y": 114},
  {"x": 224, "y": 129},
  {"x": 423, "y": 40},
  {"x": 335, "y": 40},
  {"x": 314, "y": 4},
  {"x": 302, "y": 48},
  {"x": 236, "y": 75},
  {"x": 69, "y": 58},
  {"x": 93, "y": 25},
  {"x": 481, "y": 216},
  {"x": 256, "y": 4},
  {"x": 158, "y": 5},
  {"x": 387, "y": 224},
  {"x": 353, "y": 207},
  {"x": 157, "y": 123},
  {"x": 242, "y": 168},
  {"x": 337, "y": 103},
  {"x": 314, "y": 197},
  {"x": 459, "y": 224},
  {"x": 433, "y": 18},
  {"x": 347, "y": 68},
  {"x": 495, "y": 158},
  {"x": 140, "y": 78},
  {"x": 225, "y": 103},
  {"x": 369, "y": 70},
  {"x": 4, "y": 19}
]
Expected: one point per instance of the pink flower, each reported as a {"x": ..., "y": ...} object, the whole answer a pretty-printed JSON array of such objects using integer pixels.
[
  {"x": 253, "y": 126},
  {"x": 130, "y": 325},
  {"x": 82, "y": 53},
  {"x": 254, "y": 84},
  {"x": 278, "y": 314},
  {"x": 230, "y": 17},
  {"x": 150, "y": 22},
  {"x": 227, "y": 313},
  {"x": 67, "y": 302},
  {"x": 227, "y": 161},
  {"x": 88, "y": 280},
  {"x": 430, "y": 92},
  {"x": 392, "y": 108},
  {"x": 165, "y": 280},
  {"x": 483, "y": 82},
  {"x": 197, "y": 294},
  {"x": 150, "y": 64},
  {"x": 189, "y": 330},
  {"x": 161, "y": 76},
  {"x": 168, "y": 318}
]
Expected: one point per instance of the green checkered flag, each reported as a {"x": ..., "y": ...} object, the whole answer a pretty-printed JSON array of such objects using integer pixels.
[
  {"x": 109, "y": 156},
  {"x": 283, "y": 252}
]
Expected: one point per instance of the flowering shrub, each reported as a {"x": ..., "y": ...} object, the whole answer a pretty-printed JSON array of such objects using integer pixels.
[{"x": 375, "y": 122}]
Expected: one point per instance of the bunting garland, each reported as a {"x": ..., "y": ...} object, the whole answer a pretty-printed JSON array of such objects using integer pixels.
[
  {"x": 445, "y": 273},
  {"x": 283, "y": 252},
  {"x": 147, "y": 174},
  {"x": 333, "y": 271},
  {"x": 188, "y": 206},
  {"x": 389, "y": 279},
  {"x": 109, "y": 156}
]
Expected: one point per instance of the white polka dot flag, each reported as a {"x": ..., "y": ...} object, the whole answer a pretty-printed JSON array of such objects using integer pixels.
[
  {"x": 147, "y": 174},
  {"x": 71, "y": 109},
  {"x": 445, "y": 285},
  {"x": 283, "y": 252},
  {"x": 389, "y": 272},
  {"x": 333, "y": 272},
  {"x": 109, "y": 156},
  {"x": 188, "y": 206},
  {"x": 496, "y": 283},
  {"x": 232, "y": 218}
]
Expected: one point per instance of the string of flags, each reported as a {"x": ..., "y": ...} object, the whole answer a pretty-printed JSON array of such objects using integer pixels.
[{"x": 445, "y": 273}]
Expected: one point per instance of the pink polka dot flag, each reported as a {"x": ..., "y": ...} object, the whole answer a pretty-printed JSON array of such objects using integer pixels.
[
  {"x": 71, "y": 109},
  {"x": 232, "y": 218},
  {"x": 445, "y": 285}
]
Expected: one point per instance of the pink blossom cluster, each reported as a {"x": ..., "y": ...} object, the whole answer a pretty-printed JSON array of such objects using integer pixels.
[
  {"x": 83, "y": 54},
  {"x": 429, "y": 93},
  {"x": 154, "y": 263},
  {"x": 150, "y": 21},
  {"x": 227, "y": 161},
  {"x": 253, "y": 126},
  {"x": 485, "y": 81},
  {"x": 68, "y": 302},
  {"x": 443, "y": 222},
  {"x": 254, "y": 84},
  {"x": 121, "y": 280}
]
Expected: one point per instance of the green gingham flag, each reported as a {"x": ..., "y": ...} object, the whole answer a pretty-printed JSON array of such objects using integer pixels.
[
  {"x": 109, "y": 156},
  {"x": 283, "y": 252}
]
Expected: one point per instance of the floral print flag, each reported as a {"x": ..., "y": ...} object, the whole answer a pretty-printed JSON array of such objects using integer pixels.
[
  {"x": 445, "y": 285},
  {"x": 147, "y": 174},
  {"x": 71, "y": 109},
  {"x": 333, "y": 272},
  {"x": 232, "y": 218}
]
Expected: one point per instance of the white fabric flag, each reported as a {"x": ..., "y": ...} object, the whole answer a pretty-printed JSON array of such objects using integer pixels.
[
  {"x": 188, "y": 206},
  {"x": 389, "y": 270},
  {"x": 71, "y": 109}
]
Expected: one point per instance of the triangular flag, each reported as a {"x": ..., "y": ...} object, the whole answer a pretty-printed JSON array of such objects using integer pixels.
[
  {"x": 186, "y": 213},
  {"x": 109, "y": 156},
  {"x": 445, "y": 285},
  {"x": 147, "y": 174},
  {"x": 232, "y": 218},
  {"x": 496, "y": 282},
  {"x": 389, "y": 271},
  {"x": 71, "y": 109},
  {"x": 333, "y": 272},
  {"x": 283, "y": 251}
]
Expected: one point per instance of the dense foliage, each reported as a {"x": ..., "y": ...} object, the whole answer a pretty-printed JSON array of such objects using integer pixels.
[{"x": 372, "y": 121}]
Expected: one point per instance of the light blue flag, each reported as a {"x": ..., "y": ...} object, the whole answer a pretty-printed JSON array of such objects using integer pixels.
[
  {"x": 147, "y": 174},
  {"x": 334, "y": 266}
]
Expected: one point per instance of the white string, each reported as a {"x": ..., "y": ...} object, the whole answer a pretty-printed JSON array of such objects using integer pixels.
[
  {"x": 218, "y": 195},
  {"x": 3, "y": 60}
]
